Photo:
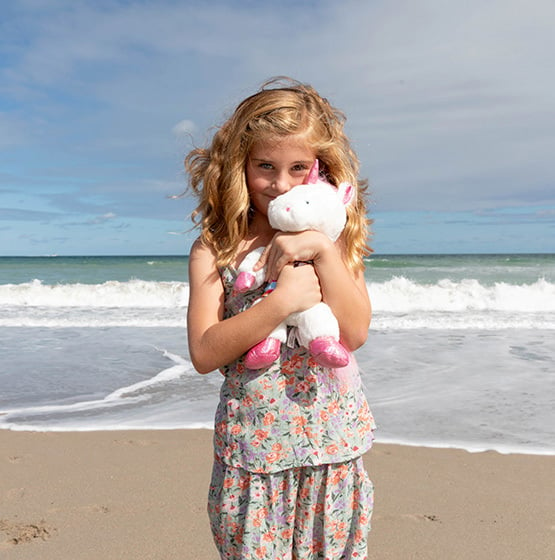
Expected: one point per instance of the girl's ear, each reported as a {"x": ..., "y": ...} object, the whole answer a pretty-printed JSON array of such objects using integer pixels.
[{"x": 347, "y": 193}]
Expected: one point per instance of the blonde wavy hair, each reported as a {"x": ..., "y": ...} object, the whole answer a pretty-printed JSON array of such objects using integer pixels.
[{"x": 282, "y": 107}]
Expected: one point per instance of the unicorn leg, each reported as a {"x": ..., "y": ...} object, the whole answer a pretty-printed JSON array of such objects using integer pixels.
[
  {"x": 267, "y": 351},
  {"x": 263, "y": 354},
  {"x": 328, "y": 352}
]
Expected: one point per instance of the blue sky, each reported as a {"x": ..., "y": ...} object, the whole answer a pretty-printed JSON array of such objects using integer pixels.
[{"x": 450, "y": 107}]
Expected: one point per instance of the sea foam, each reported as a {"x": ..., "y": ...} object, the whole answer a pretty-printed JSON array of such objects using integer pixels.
[
  {"x": 403, "y": 295},
  {"x": 396, "y": 295},
  {"x": 133, "y": 293},
  {"x": 398, "y": 303}
]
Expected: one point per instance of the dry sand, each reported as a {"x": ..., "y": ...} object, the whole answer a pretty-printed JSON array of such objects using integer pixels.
[{"x": 142, "y": 495}]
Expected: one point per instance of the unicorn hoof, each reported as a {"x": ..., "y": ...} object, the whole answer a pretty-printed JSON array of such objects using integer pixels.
[
  {"x": 244, "y": 282},
  {"x": 263, "y": 354},
  {"x": 328, "y": 352}
]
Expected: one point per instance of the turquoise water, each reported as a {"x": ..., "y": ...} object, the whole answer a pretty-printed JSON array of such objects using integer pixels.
[
  {"x": 487, "y": 269},
  {"x": 92, "y": 270},
  {"x": 519, "y": 268}
]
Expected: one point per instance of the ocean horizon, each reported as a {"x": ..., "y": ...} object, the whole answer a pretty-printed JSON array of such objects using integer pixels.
[{"x": 460, "y": 351}]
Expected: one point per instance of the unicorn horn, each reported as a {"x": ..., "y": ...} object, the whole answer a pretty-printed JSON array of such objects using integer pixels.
[{"x": 313, "y": 174}]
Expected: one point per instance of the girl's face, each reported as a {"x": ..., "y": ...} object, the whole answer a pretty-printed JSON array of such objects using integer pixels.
[{"x": 275, "y": 167}]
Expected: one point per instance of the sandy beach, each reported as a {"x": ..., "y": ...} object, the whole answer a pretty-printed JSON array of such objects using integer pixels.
[{"x": 141, "y": 495}]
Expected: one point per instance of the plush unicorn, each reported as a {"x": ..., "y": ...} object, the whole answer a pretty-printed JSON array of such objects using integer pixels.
[{"x": 318, "y": 206}]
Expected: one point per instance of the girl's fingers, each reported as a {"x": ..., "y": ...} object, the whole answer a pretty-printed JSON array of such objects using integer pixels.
[
  {"x": 286, "y": 248},
  {"x": 272, "y": 270},
  {"x": 268, "y": 259},
  {"x": 261, "y": 262}
]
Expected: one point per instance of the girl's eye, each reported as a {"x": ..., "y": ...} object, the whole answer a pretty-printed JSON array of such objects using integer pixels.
[
  {"x": 265, "y": 166},
  {"x": 300, "y": 167}
]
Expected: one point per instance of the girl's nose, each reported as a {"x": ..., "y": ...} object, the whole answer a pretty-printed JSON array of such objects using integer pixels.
[{"x": 282, "y": 184}]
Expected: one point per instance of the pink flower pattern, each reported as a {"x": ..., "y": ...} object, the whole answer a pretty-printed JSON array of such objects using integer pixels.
[
  {"x": 294, "y": 413},
  {"x": 301, "y": 513}
]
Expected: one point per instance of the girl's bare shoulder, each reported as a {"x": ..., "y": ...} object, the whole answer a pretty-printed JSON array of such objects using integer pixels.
[
  {"x": 202, "y": 261},
  {"x": 201, "y": 250}
]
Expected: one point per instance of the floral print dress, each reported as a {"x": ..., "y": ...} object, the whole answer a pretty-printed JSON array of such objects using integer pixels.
[{"x": 288, "y": 480}]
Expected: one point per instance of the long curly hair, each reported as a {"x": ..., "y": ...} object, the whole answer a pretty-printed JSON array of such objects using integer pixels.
[{"x": 282, "y": 107}]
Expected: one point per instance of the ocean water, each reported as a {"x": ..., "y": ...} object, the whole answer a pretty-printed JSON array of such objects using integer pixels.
[{"x": 460, "y": 353}]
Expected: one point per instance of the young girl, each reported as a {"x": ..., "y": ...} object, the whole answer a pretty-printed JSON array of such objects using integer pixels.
[{"x": 288, "y": 480}]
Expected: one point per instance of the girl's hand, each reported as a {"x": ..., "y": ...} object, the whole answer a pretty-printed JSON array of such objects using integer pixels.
[
  {"x": 299, "y": 286},
  {"x": 215, "y": 341},
  {"x": 288, "y": 248},
  {"x": 342, "y": 289}
]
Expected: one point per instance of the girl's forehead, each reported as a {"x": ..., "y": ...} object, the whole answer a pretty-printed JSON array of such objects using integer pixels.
[{"x": 294, "y": 144}]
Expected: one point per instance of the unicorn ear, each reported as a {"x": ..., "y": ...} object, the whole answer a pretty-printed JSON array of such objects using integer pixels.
[
  {"x": 313, "y": 173},
  {"x": 347, "y": 193}
]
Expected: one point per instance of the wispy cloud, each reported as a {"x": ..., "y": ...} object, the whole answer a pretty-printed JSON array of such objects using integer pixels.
[
  {"x": 184, "y": 128},
  {"x": 34, "y": 239},
  {"x": 517, "y": 216},
  {"x": 449, "y": 106},
  {"x": 94, "y": 221},
  {"x": 13, "y": 131},
  {"x": 20, "y": 215}
]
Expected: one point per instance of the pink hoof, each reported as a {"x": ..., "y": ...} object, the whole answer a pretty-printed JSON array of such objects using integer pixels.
[
  {"x": 244, "y": 281},
  {"x": 263, "y": 354},
  {"x": 328, "y": 352}
]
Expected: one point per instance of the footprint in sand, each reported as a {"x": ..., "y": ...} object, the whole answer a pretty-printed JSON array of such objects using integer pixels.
[
  {"x": 15, "y": 494},
  {"x": 94, "y": 508},
  {"x": 421, "y": 517},
  {"x": 21, "y": 533},
  {"x": 412, "y": 517},
  {"x": 139, "y": 442}
]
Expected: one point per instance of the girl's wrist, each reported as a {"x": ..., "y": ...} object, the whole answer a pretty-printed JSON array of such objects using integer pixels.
[
  {"x": 278, "y": 297},
  {"x": 327, "y": 250}
]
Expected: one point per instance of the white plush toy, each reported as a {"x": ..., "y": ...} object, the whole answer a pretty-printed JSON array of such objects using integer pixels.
[{"x": 318, "y": 206}]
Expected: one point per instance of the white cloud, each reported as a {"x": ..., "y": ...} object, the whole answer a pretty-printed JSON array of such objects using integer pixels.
[
  {"x": 449, "y": 105},
  {"x": 105, "y": 217},
  {"x": 184, "y": 128}
]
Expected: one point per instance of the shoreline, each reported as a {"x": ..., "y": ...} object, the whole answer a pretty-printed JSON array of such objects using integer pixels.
[
  {"x": 141, "y": 494},
  {"x": 469, "y": 447}
]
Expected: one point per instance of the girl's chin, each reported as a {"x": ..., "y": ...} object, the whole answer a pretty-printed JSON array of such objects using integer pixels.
[
  {"x": 261, "y": 210},
  {"x": 260, "y": 217}
]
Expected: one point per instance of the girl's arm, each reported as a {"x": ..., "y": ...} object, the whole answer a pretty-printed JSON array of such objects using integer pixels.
[
  {"x": 213, "y": 341},
  {"x": 342, "y": 289}
]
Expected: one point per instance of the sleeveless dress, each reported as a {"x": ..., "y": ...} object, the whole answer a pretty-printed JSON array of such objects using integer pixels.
[
  {"x": 288, "y": 479},
  {"x": 294, "y": 413}
]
